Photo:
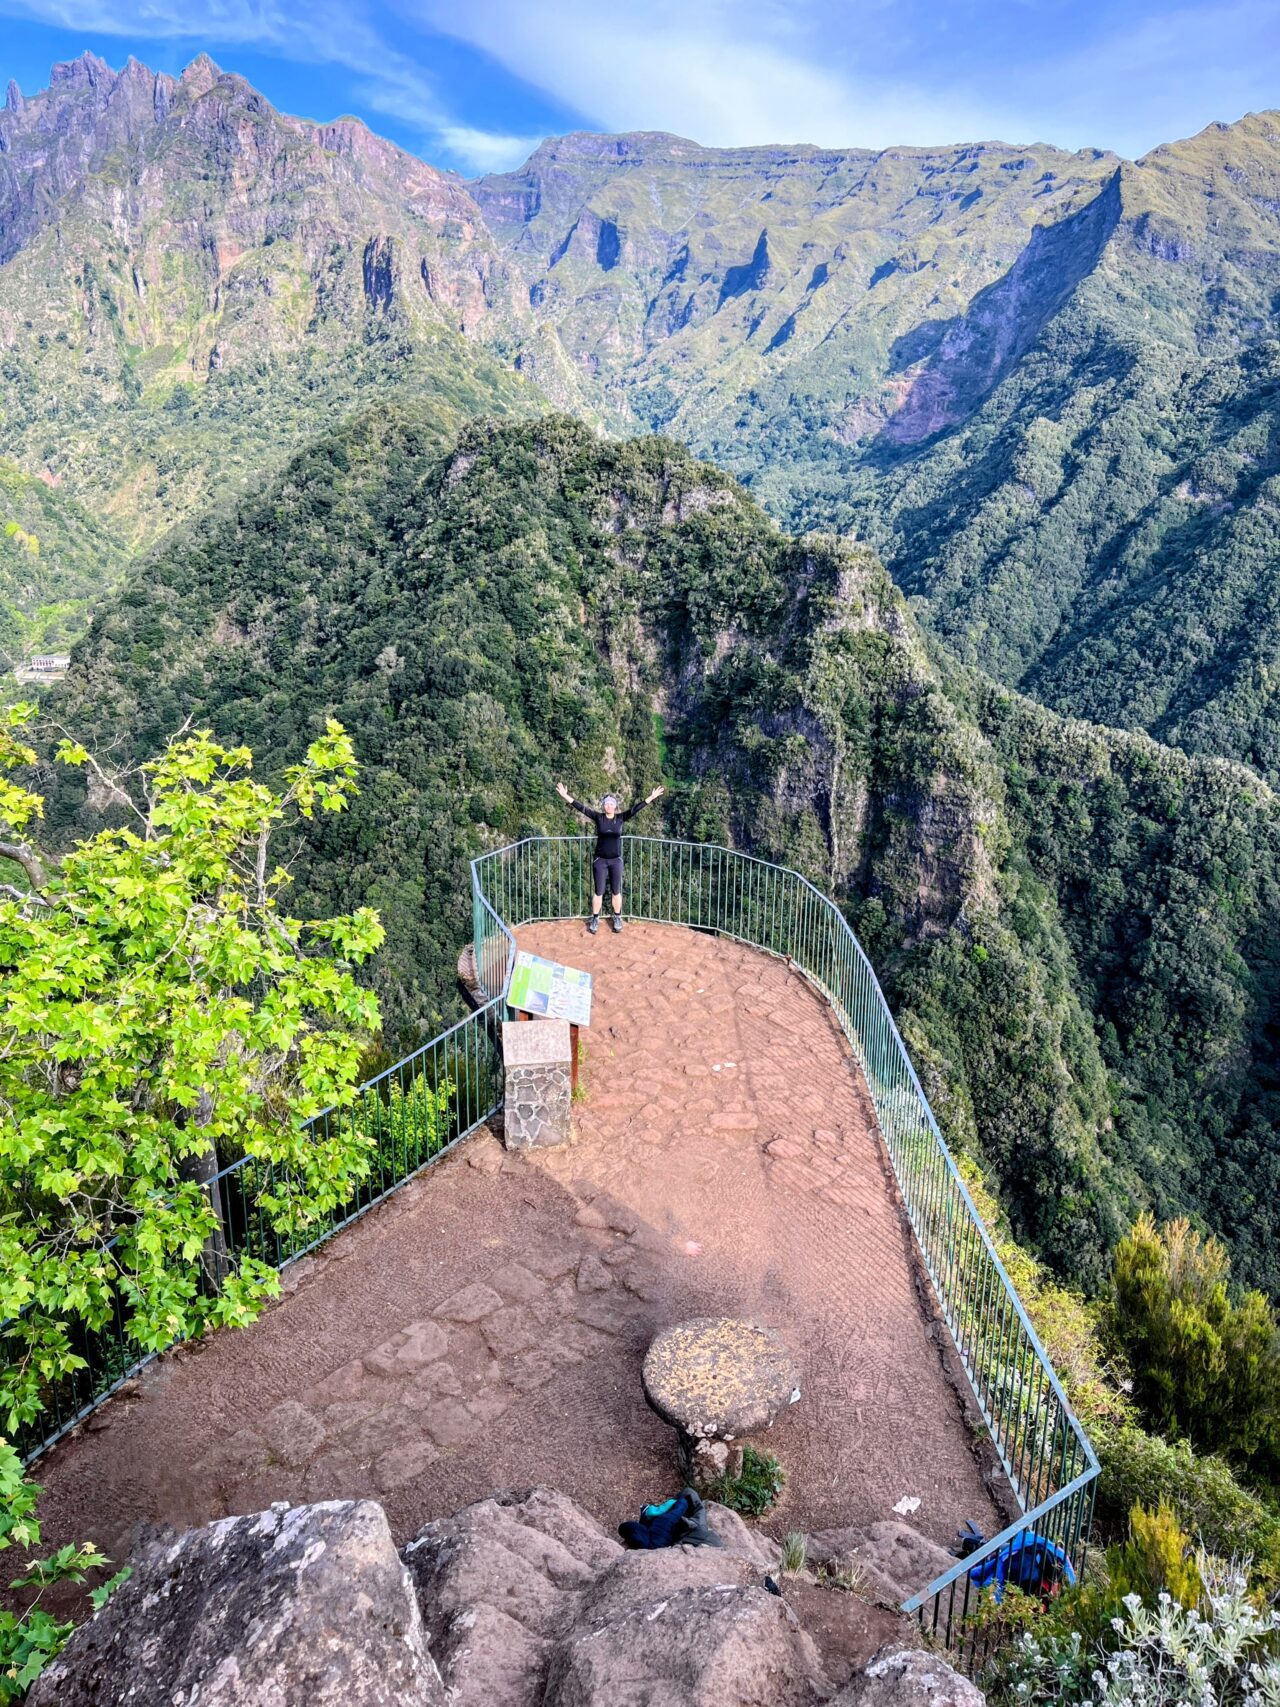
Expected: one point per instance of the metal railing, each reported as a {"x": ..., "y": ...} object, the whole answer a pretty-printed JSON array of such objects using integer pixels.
[
  {"x": 411, "y": 1114},
  {"x": 1045, "y": 1453},
  {"x": 419, "y": 1108}
]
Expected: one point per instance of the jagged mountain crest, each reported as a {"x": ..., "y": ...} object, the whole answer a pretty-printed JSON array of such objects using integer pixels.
[
  {"x": 1007, "y": 367},
  {"x": 191, "y": 282}
]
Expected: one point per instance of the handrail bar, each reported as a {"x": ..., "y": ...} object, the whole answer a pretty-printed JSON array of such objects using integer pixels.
[{"x": 1010, "y": 1532}]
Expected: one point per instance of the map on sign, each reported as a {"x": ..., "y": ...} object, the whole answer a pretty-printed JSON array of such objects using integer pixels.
[{"x": 545, "y": 987}]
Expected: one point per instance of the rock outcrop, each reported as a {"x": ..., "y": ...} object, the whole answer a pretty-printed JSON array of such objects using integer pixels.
[
  {"x": 303, "y": 1604},
  {"x": 519, "y": 1600},
  {"x": 889, "y": 1560},
  {"x": 908, "y": 1677},
  {"x": 527, "y": 1600}
]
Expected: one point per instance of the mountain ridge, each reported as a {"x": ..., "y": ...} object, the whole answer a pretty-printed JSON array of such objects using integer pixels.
[
  {"x": 1066, "y": 920},
  {"x": 1040, "y": 384}
]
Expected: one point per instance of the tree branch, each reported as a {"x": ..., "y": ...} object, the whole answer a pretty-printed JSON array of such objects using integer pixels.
[{"x": 28, "y": 859}]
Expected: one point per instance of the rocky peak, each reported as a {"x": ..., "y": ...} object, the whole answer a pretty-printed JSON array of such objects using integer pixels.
[
  {"x": 87, "y": 72},
  {"x": 13, "y": 100},
  {"x": 200, "y": 76}
]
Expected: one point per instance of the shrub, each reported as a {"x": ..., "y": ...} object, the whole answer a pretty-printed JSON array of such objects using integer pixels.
[
  {"x": 31, "y": 1638},
  {"x": 755, "y": 1489},
  {"x": 1139, "y": 1468},
  {"x": 1226, "y": 1652},
  {"x": 1205, "y": 1367}
]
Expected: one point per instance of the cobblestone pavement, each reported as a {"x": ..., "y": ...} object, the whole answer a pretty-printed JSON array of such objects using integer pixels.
[{"x": 486, "y": 1327}]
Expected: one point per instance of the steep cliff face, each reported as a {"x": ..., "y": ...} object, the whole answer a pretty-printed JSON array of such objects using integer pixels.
[
  {"x": 189, "y": 279},
  {"x": 1043, "y": 386},
  {"x": 1099, "y": 529},
  {"x": 679, "y": 279}
]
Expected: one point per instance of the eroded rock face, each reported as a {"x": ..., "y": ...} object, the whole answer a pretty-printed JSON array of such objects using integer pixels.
[
  {"x": 520, "y": 1600},
  {"x": 309, "y": 1604},
  {"x": 684, "y": 1628},
  {"x": 909, "y": 1678},
  {"x": 529, "y": 1603}
]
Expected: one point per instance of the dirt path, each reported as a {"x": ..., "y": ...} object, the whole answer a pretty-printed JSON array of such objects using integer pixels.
[{"x": 485, "y": 1328}]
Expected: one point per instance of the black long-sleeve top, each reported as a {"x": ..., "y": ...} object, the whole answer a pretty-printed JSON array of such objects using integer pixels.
[{"x": 608, "y": 830}]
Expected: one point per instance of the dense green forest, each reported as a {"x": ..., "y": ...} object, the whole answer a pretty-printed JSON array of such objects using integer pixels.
[
  {"x": 1101, "y": 535},
  {"x": 55, "y": 559},
  {"x": 1070, "y": 923}
]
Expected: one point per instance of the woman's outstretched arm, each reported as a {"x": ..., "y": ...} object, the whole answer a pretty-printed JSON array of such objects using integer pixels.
[
  {"x": 640, "y": 805},
  {"x": 577, "y": 805}
]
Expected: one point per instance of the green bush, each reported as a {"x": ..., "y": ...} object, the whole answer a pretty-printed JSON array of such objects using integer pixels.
[
  {"x": 1206, "y": 1367},
  {"x": 1138, "y": 1467},
  {"x": 755, "y": 1489},
  {"x": 31, "y": 1638},
  {"x": 1224, "y": 1651},
  {"x": 1230, "y": 1521}
]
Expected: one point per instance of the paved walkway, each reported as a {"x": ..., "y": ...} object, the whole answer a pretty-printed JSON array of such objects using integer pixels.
[{"x": 486, "y": 1327}]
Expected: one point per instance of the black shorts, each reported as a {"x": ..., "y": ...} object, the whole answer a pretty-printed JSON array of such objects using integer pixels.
[{"x": 610, "y": 868}]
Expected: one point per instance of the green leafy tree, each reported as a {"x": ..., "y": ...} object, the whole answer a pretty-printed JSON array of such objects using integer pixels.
[
  {"x": 31, "y": 1638},
  {"x": 1205, "y": 1366},
  {"x": 162, "y": 1016}
]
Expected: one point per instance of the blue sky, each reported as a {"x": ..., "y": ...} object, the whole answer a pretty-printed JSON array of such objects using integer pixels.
[{"x": 475, "y": 84}]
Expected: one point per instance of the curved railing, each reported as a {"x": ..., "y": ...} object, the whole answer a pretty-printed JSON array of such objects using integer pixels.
[
  {"x": 419, "y": 1108},
  {"x": 1046, "y": 1454}
]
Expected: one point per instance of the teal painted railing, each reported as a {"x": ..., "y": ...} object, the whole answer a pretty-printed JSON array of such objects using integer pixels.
[
  {"x": 421, "y": 1107},
  {"x": 412, "y": 1113},
  {"x": 1046, "y": 1455}
]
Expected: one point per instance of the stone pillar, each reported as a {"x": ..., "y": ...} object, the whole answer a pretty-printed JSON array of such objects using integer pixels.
[{"x": 538, "y": 1099}]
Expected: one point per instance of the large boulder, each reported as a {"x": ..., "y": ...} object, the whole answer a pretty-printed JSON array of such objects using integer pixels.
[
  {"x": 529, "y": 1603},
  {"x": 499, "y": 1583},
  {"x": 308, "y": 1604},
  {"x": 909, "y": 1677},
  {"x": 519, "y": 1600},
  {"x": 684, "y": 1627}
]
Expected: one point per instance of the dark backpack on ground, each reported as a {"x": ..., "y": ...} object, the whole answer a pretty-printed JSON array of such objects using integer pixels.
[{"x": 675, "y": 1523}]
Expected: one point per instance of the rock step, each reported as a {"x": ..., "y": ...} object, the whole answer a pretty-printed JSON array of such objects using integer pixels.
[
  {"x": 518, "y": 1600},
  {"x": 893, "y": 1560}
]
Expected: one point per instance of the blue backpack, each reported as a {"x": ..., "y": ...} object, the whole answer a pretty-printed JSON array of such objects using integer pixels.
[
  {"x": 1031, "y": 1563},
  {"x": 678, "y": 1522}
]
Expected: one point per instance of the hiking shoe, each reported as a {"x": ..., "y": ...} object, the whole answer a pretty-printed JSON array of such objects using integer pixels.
[
  {"x": 593, "y": 923},
  {"x": 616, "y": 921}
]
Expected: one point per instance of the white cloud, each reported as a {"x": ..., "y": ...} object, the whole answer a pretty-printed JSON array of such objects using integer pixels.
[
  {"x": 727, "y": 75},
  {"x": 1122, "y": 74},
  {"x": 1157, "y": 78},
  {"x": 485, "y": 150}
]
